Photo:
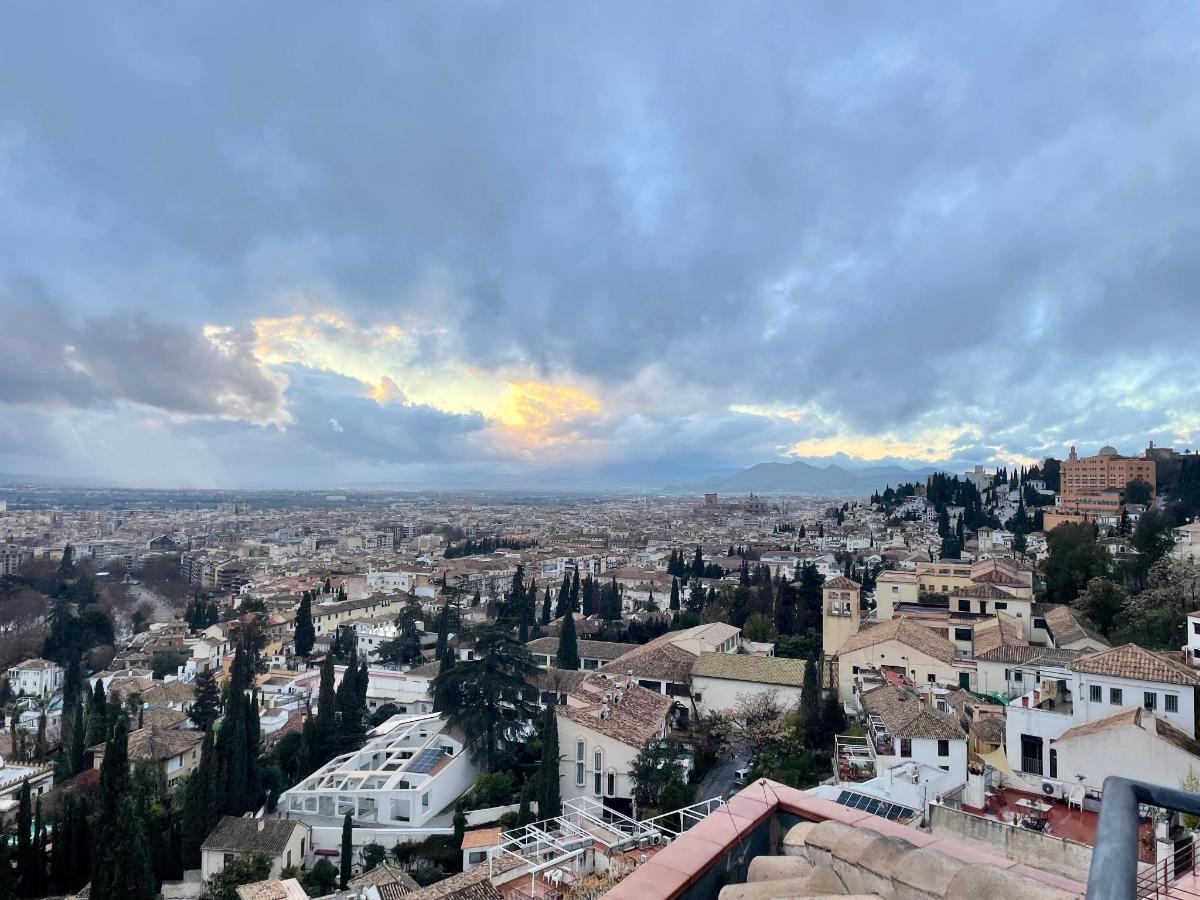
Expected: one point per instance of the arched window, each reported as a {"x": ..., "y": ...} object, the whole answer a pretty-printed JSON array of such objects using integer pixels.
[
  {"x": 580, "y": 754},
  {"x": 597, "y": 774}
]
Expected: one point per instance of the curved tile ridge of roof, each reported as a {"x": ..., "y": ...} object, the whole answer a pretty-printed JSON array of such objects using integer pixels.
[{"x": 672, "y": 871}]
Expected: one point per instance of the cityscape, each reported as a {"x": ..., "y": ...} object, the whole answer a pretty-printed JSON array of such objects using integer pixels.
[{"x": 493, "y": 451}]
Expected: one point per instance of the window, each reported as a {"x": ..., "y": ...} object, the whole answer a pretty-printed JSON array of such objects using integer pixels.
[
  {"x": 1196, "y": 628},
  {"x": 1053, "y": 763},
  {"x": 1171, "y": 703},
  {"x": 477, "y": 856},
  {"x": 425, "y": 801},
  {"x": 579, "y": 776},
  {"x": 1114, "y": 696},
  {"x": 964, "y": 605},
  {"x": 1150, "y": 700},
  {"x": 943, "y": 748},
  {"x": 1095, "y": 693},
  {"x": 611, "y": 786},
  {"x": 1018, "y": 676},
  {"x": 1031, "y": 754},
  {"x": 596, "y": 784},
  {"x": 962, "y": 634},
  {"x": 905, "y": 747},
  {"x": 599, "y": 760},
  {"x": 1001, "y": 604},
  {"x": 931, "y": 678}
]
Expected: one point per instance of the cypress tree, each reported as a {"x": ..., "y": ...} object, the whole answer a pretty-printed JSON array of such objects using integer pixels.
[
  {"x": 306, "y": 634},
  {"x": 545, "y": 620},
  {"x": 549, "y": 787},
  {"x": 575, "y": 590},
  {"x": 123, "y": 870},
  {"x": 443, "y": 631},
  {"x": 564, "y": 595},
  {"x": 97, "y": 720},
  {"x": 198, "y": 812},
  {"x": 347, "y": 851},
  {"x": 674, "y": 594},
  {"x": 78, "y": 747},
  {"x": 325, "y": 731},
  {"x": 206, "y": 703},
  {"x": 25, "y": 841},
  {"x": 568, "y": 645}
]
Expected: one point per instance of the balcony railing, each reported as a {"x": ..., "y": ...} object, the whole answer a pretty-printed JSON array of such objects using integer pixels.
[{"x": 1114, "y": 871}]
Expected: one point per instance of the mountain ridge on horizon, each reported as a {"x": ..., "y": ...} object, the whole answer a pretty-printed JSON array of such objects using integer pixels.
[{"x": 800, "y": 477}]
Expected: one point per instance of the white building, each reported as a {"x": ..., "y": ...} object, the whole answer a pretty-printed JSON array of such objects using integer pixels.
[
  {"x": 1090, "y": 688},
  {"x": 605, "y": 723},
  {"x": 286, "y": 843},
  {"x": 35, "y": 678},
  {"x": 719, "y": 679},
  {"x": 410, "y": 769}
]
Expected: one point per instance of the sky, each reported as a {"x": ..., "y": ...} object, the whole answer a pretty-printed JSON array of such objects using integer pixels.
[{"x": 613, "y": 244}]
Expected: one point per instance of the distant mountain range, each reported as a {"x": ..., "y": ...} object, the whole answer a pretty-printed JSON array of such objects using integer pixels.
[{"x": 802, "y": 478}]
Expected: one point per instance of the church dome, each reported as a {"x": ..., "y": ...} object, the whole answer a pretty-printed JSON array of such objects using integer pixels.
[{"x": 1108, "y": 451}]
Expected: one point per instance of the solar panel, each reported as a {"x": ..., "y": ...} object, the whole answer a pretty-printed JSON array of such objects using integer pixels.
[
  {"x": 875, "y": 806},
  {"x": 424, "y": 761}
]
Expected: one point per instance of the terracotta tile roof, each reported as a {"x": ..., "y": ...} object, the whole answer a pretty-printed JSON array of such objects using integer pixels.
[
  {"x": 1136, "y": 663},
  {"x": 990, "y": 729},
  {"x": 995, "y": 632},
  {"x": 385, "y": 874},
  {"x": 1118, "y": 721},
  {"x": 607, "y": 650},
  {"x": 1068, "y": 626},
  {"x": 757, "y": 669},
  {"x": 154, "y": 743},
  {"x": 238, "y": 835},
  {"x": 1022, "y": 653},
  {"x": 981, "y": 592},
  {"x": 842, "y": 583},
  {"x": 659, "y": 660},
  {"x": 473, "y": 885},
  {"x": 907, "y": 717},
  {"x": 272, "y": 889},
  {"x": 480, "y": 837},
  {"x": 637, "y": 716},
  {"x": 905, "y": 632},
  {"x": 164, "y": 718}
]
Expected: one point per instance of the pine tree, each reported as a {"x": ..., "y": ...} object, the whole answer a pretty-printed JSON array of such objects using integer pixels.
[
  {"x": 549, "y": 777},
  {"x": 306, "y": 634},
  {"x": 568, "y": 645},
  {"x": 488, "y": 699},
  {"x": 206, "y": 703},
  {"x": 347, "y": 852}
]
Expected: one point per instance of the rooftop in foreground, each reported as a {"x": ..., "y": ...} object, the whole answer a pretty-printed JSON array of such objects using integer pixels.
[{"x": 774, "y": 841}]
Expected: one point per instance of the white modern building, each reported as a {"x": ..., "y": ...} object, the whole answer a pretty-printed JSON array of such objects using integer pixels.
[{"x": 410, "y": 769}]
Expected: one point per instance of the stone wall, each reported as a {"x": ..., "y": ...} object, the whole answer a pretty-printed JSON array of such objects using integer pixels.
[{"x": 1043, "y": 851}]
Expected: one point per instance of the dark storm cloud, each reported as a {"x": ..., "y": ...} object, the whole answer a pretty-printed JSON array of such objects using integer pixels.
[
  {"x": 55, "y": 357},
  {"x": 972, "y": 216},
  {"x": 332, "y": 414}
]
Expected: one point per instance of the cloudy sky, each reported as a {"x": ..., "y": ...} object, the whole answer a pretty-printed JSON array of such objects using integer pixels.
[{"x": 290, "y": 243}]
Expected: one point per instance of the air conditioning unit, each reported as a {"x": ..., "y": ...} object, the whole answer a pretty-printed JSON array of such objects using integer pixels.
[
  {"x": 1052, "y": 788},
  {"x": 656, "y": 840}
]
